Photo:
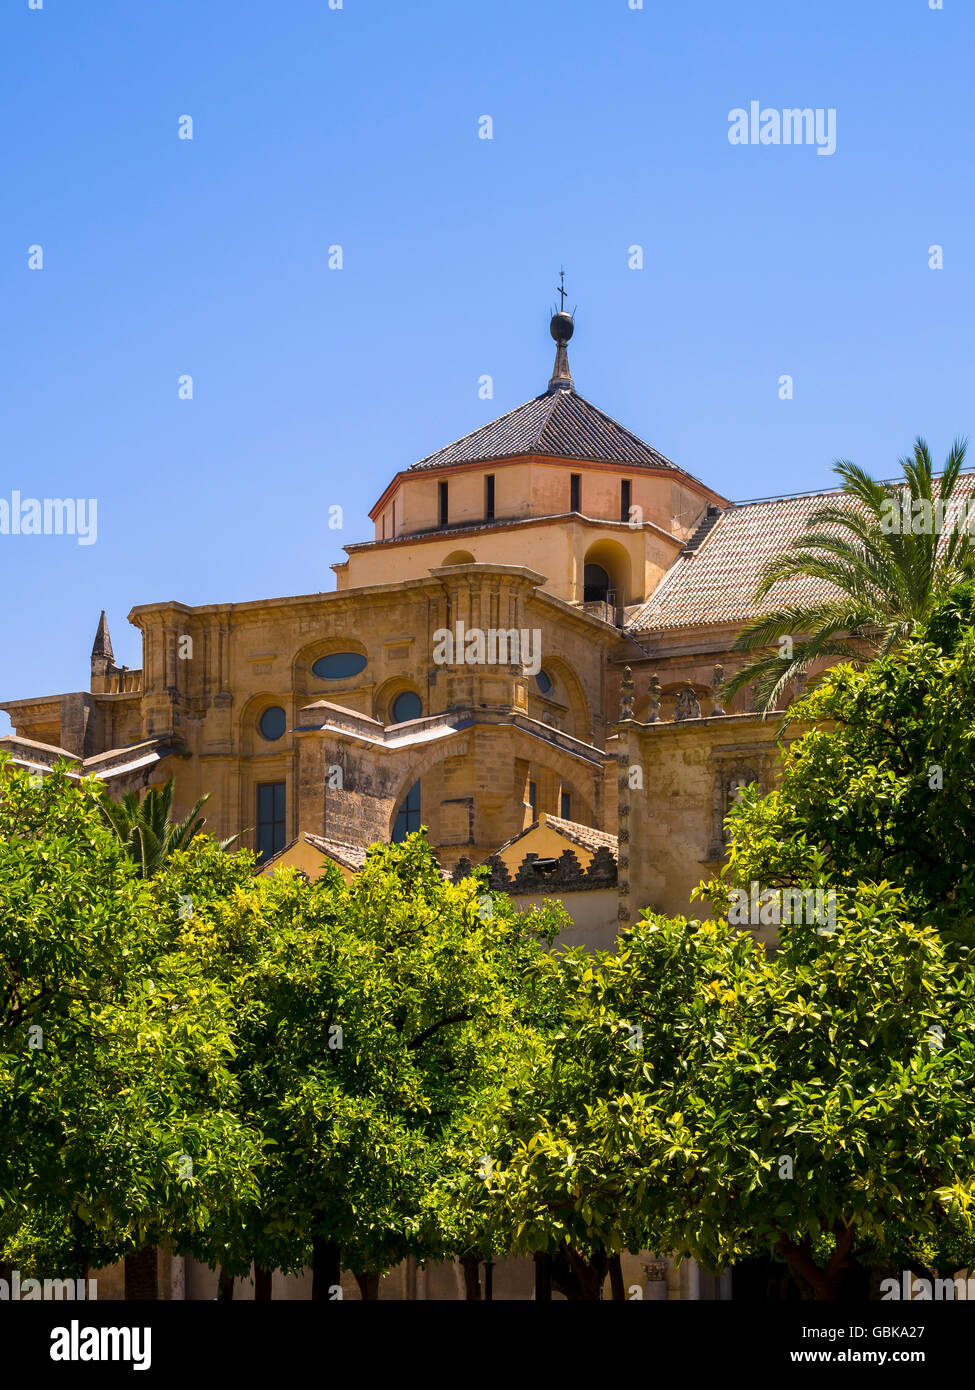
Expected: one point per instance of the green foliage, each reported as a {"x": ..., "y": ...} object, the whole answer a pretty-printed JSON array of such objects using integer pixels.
[
  {"x": 145, "y": 830},
  {"x": 117, "y": 1105},
  {"x": 881, "y": 585},
  {"x": 881, "y": 787},
  {"x": 376, "y": 1026}
]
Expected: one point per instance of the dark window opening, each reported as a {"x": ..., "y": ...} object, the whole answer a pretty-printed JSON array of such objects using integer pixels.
[
  {"x": 444, "y": 509},
  {"x": 575, "y": 492},
  {"x": 489, "y": 497},
  {"x": 408, "y": 816},
  {"x": 533, "y": 799},
  {"x": 271, "y": 803},
  {"x": 625, "y": 500},
  {"x": 565, "y": 806},
  {"x": 595, "y": 584}
]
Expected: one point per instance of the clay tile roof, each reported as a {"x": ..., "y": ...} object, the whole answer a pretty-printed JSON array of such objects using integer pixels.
[
  {"x": 582, "y": 835},
  {"x": 716, "y": 582},
  {"x": 714, "y": 579},
  {"x": 559, "y": 424},
  {"x": 351, "y": 856}
]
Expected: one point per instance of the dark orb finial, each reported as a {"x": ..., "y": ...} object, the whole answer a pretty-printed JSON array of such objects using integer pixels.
[{"x": 562, "y": 326}]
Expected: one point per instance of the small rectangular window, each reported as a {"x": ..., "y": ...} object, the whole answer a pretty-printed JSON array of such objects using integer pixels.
[
  {"x": 271, "y": 829},
  {"x": 565, "y": 805},
  {"x": 533, "y": 798},
  {"x": 575, "y": 492},
  {"x": 625, "y": 500},
  {"x": 444, "y": 509},
  {"x": 489, "y": 497}
]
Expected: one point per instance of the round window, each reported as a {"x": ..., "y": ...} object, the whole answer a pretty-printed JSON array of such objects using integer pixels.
[
  {"x": 544, "y": 682},
  {"x": 273, "y": 723},
  {"x": 339, "y": 666},
  {"x": 407, "y": 706}
]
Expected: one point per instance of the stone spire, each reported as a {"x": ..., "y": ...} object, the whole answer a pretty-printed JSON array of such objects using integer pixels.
[
  {"x": 102, "y": 658},
  {"x": 103, "y": 642},
  {"x": 561, "y": 328}
]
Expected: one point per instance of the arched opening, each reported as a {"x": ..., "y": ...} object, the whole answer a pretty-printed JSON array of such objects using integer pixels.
[
  {"x": 408, "y": 816},
  {"x": 606, "y": 578}
]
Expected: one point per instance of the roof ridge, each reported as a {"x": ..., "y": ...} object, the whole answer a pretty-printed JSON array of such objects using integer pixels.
[
  {"x": 471, "y": 433},
  {"x": 632, "y": 433}
]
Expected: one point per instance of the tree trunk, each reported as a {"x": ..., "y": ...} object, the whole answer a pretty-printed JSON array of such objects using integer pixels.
[
  {"x": 616, "y": 1279},
  {"x": 368, "y": 1286},
  {"x": 262, "y": 1284},
  {"x": 141, "y": 1276},
  {"x": 225, "y": 1286},
  {"x": 578, "y": 1278},
  {"x": 472, "y": 1283},
  {"x": 326, "y": 1272},
  {"x": 825, "y": 1283}
]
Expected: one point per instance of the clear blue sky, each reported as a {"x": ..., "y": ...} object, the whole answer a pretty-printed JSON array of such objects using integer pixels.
[{"x": 359, "y": 127}]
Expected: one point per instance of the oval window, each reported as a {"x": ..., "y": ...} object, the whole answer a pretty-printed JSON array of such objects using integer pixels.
[
  {"x": 544, "y": 682},
  {"x": 273, "y": 723},
  {"x": 407, "y": 706},
  {"x": 339, "y": 666}
]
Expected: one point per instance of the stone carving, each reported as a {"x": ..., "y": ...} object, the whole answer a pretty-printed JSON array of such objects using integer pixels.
[
  {"x": 462, "y": 869},
  {"x": 500, "y": 879},
  {"x": 653, "y": 705},
  {"x": 687, "y": 706},
  {"x": 717, "y": 681},
  {"x": 566, "y": 875},
  {"x": 602, "y": 868},
  {"x": 626, "y": 694}
]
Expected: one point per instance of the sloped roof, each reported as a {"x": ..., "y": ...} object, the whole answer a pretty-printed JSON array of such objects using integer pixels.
[
  {"x": 716, "y": 582},
  {"x": 583, "y": 835},
  {"x": 714, "y": 578},
  {"x": 559, "y": 424},
  {"x": 351, "y": 857}
]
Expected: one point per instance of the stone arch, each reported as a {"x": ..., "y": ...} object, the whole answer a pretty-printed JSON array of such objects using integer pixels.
[
  {"x": 385, "y": 697},
  {"x": 614, "y": 560},
  {"x": 568, "y": 691},
  {"x": 252, "y": 742},
  {"x": 307, "y": 685}
]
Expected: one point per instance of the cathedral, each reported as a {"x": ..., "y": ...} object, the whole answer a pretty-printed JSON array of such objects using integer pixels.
[{"x": 525, "y": 657}]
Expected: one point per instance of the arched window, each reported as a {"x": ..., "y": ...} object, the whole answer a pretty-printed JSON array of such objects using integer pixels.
[
  {"x": 408, "y": 705},
  {"x": 339, "y": 666},
  {"x": 408, "y": 815},
  {"x": 544, "y": 682},
  {"x": 595, "y": 584}
]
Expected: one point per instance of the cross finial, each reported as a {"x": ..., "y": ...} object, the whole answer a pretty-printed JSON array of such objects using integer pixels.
[{"x": 561, "y": 289}]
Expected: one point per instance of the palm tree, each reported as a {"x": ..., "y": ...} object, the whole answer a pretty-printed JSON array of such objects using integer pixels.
[
  {"x": 880, "y": 579},
  {"x": 145, "y": 830}
]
